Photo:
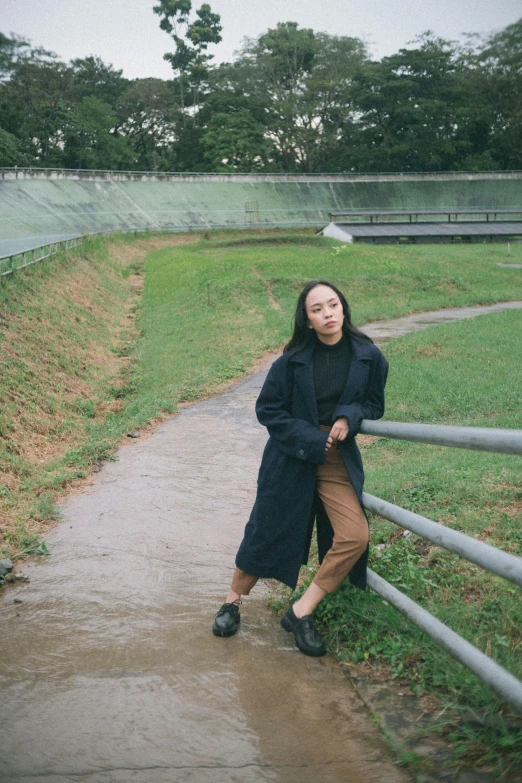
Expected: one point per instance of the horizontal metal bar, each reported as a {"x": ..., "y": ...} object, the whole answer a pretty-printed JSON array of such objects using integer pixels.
[
  {"x": 439, "y": 211},
  {"x": 239, "y": 175},
  {"x": 489, "y": 557},
  {"x": 502, "y": 441},
  {"x": 53, "y": 248},
  {"x": 506, "y": 685}
]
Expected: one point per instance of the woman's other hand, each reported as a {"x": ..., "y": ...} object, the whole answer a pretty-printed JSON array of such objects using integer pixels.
[{"x": 338, "y": 432}]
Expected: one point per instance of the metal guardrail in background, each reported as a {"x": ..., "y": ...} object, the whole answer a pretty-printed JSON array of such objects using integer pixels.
[
  {"x": 501, "y": 563},
  {"x": 25, "y": 258},
  {"x": 436, "y": 215},
  {"x": 33, "y": 255},
  {"x": 9, "y": 172}
]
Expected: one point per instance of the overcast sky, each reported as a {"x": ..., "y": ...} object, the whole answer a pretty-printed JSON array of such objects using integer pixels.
[{"x": 126, "y": 32}]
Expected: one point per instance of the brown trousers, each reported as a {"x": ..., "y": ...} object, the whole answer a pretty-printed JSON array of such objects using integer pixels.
[{"x": 348, "y": 521}]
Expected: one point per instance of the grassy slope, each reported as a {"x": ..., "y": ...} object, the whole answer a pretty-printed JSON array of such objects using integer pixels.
[
  {"x": 382, "y": 281},
  {"x": 63, "y": 337}
]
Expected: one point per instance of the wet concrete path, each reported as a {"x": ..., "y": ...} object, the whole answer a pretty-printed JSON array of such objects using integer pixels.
[
  {"x": 109, "y": 670},
  {"x": 381, "y": 331}
]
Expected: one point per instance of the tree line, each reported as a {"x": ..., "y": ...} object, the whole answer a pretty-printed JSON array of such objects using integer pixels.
[{"x": 292, "y": 100}]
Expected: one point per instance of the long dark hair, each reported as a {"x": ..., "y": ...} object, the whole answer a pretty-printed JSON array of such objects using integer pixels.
[{"x": 303, "y": 335}]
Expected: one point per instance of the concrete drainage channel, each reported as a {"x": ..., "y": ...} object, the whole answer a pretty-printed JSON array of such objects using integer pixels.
[{"x": 110, "y": 671}]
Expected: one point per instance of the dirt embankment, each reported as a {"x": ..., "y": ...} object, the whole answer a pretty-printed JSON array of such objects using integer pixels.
[{"x": 67, "y": 331}]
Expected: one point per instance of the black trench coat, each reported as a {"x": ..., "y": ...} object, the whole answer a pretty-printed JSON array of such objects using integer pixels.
[{"x": 278, "y": 534}]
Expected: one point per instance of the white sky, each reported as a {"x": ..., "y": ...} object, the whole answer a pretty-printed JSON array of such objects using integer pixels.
[{"x": 126, "y": 32}]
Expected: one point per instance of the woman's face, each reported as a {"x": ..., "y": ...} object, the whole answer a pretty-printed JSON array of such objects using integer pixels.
[{"x": 325, "y": 313}]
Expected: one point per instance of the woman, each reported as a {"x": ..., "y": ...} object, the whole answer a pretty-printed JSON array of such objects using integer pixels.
[{"x": 329, "y": 378}]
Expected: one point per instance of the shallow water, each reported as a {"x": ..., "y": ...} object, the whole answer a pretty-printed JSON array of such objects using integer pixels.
[{"x": 109, "y": 670}]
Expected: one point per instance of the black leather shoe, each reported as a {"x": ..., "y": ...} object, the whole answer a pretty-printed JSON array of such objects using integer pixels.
[
  {"x": 227, "y": 620},
  {"x": 306, "y": 637}
]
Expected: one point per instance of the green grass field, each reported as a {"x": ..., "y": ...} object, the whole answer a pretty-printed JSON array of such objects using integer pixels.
[
  {"x": 208, "y": 311},
  {"x": 214, "y": 301}
]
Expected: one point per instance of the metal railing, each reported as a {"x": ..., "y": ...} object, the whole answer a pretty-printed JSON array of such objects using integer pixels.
[
  {"x": 13, "y": 262},
  {"x": 498, "y": 562},
  {"x": 12, "y": 172},
  {"x": 435, "y": 215},
  {"x": 21, "y": 259}
]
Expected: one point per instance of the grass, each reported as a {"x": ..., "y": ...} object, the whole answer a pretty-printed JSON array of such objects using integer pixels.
[
  {"x": 63, "y": 325},
  {"x": 212, "y": 308},
  {"x": 380, "y": 281},
  {"x": 78, "y": 372}
]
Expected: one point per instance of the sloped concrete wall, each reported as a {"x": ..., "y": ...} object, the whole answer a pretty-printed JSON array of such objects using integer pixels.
[{"x": 36, "y": 209}]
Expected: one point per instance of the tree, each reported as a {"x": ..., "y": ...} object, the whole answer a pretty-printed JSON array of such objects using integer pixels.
[
  {"x": 235, "y": 142},
  {"x": 17, "y": 50},
  {"x": 10, "y": 153},
  {"x": 92, "y": 77},
  {"x": 36, "y": 108},
  {"x": 327, "y": 110},
  {"x": 150, "y": 118},
  {"x": 91, "y": 138},
  {"x": 409, "y": 104},
  {"x": 297, "y": 85},
  {"x": 281, "y": 59},
  {"x": 192, "y": 38},
  {"x": 292, "y": 100},
  {"x": 30, "y": 81},
  {"x": 500, "y": 63}
]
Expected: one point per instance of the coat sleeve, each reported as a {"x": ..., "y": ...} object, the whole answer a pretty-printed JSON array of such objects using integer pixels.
[
  {"x": 294, "y": 437},
  {"x": 371, "y": 405}
]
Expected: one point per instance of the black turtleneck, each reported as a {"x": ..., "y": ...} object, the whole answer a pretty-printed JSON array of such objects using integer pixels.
[{"x": 330, "y": 363}]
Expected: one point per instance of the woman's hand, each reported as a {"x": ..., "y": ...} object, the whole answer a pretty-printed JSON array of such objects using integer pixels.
[{"x": 338, "y": 432}]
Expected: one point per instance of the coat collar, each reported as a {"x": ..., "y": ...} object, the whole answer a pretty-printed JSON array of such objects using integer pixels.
[
  {"x": 360, "y": 351},
  {"x": 357, "y": 375}
]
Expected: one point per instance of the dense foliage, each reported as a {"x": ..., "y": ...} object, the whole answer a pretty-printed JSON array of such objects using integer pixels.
[{"x": 291, "y": 100}]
